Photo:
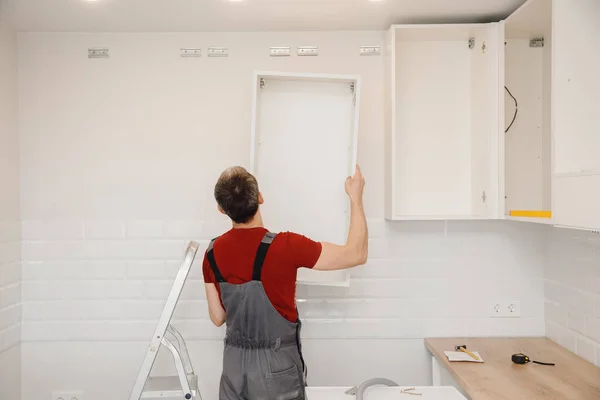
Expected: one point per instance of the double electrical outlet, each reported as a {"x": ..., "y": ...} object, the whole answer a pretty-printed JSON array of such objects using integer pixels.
[
  {"x": 510, "y": 308},
  {"x": 67, "y": 395}
]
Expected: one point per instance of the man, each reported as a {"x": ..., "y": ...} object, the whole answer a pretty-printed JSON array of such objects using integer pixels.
[{"x": 250, "y": 278}]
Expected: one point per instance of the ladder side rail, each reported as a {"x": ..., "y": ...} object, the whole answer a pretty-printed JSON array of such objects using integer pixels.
[
  {"x": 164, "y": 320},
  {"x": 182, "y": 346},
  {"x": 185, "y": 385}
]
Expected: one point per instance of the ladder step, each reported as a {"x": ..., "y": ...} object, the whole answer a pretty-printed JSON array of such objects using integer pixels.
[{"x": 167, "y": 387}]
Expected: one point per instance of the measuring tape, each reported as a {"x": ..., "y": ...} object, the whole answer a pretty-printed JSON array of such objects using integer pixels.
[{"x": 521, "y": 358}]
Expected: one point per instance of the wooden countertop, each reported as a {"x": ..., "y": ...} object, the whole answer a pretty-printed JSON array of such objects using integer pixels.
[{"x": 499, "y": 378}]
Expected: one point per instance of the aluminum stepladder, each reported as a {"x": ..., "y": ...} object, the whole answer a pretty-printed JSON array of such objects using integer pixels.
[{"x": 183, "y": 386}]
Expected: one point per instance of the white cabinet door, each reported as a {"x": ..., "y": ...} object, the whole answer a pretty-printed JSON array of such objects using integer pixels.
[
  {"x": 576, "y": 110},
  {"x": 577, "y": 201},
  {"x": 304, "y": 146}
]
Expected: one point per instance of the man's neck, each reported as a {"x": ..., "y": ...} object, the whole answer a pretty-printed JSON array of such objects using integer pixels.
[{"x": 255, "y": 222}]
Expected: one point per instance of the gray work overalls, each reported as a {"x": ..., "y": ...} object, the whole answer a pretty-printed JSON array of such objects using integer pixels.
[{"x": 263, "y": 355}]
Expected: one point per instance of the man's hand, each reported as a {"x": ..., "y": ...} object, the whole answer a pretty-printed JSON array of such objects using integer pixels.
[
  {"x": 356, "y": 249},
  {"x": 355, "y": 185}
]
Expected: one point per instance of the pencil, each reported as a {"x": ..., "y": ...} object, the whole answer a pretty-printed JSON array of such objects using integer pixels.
[{"x": 469, "y": 353}]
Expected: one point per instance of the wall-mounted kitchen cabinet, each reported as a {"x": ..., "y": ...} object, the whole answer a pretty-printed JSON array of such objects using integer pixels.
[
  {"x": 303, "y": 146},
  {"x": 506, "y": 127},
  {"x": 442, "y": 144}
]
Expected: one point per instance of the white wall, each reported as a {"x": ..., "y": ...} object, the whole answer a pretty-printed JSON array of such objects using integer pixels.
[
  {"x": 572, "y": 290},
  {"x": 10, "y": 252},
  {"x": 119, "y": 159}
]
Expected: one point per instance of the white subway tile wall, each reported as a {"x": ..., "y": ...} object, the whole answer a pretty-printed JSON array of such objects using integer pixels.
[
  {"x": 572, "y": 291},
  {"x": 95, "y": 280},
  {"x": 10, "y": 227},
  {"x": 120, "y": 175},
  {"x": 10, "y": 285}
]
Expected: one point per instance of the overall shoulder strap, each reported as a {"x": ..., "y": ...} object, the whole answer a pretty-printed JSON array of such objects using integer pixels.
[
  {"x": 261, "y": 254},
  {"x": 210, "y": 255}
]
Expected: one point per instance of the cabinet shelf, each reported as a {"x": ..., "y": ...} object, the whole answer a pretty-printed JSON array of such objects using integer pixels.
[{"x": 530, "y": 213}]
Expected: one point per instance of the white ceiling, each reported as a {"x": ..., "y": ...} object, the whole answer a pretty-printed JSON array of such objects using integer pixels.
[{"x": 244, "y": 15}]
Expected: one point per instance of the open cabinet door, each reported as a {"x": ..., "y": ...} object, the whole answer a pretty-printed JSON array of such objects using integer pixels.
[
  {"x": 576, "y": 96},
  {"x": 303, "y": 147}
]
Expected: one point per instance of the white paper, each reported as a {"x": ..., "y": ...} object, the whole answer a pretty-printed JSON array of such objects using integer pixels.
[{"x": 459, "y": 356}]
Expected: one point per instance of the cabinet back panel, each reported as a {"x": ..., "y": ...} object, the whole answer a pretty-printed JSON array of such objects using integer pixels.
[
  {"x": 524, "y": 141},
  {"x": 433, "y": 128},
  {"x": 532, "y": 19},
  {"x": 303, "y": 155}
]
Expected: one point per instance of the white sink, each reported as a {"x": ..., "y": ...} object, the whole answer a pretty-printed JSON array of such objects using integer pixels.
[{"x": 385, "y": 393}]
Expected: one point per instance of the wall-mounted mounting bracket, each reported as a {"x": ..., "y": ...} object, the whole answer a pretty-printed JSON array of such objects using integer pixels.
[
  {"x": 98, "y": 52},
  {"x": 536, "y": 42}
]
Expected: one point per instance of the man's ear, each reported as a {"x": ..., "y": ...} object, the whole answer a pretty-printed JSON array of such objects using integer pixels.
[
  {"x": 261, "y": 200},
  {"x": 220, "y": 210}
]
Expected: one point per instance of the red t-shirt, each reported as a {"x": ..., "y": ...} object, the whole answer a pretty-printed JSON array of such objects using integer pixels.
[{"x": 235, "y": 252}]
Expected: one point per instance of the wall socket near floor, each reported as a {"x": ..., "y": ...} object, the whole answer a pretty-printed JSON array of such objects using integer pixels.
[
  {"x": 72, "y": 395},
  {"x": 505, "y": 308}
]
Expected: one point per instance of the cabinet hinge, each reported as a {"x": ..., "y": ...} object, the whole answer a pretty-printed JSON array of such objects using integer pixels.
[
  {"x": 484, "y": 196},
  {"x": 472, "y": 43},
  {"x": 262, "y": 83}
]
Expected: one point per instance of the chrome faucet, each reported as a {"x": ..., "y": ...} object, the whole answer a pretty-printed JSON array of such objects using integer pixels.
[{"x": 359, "y": 390}]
